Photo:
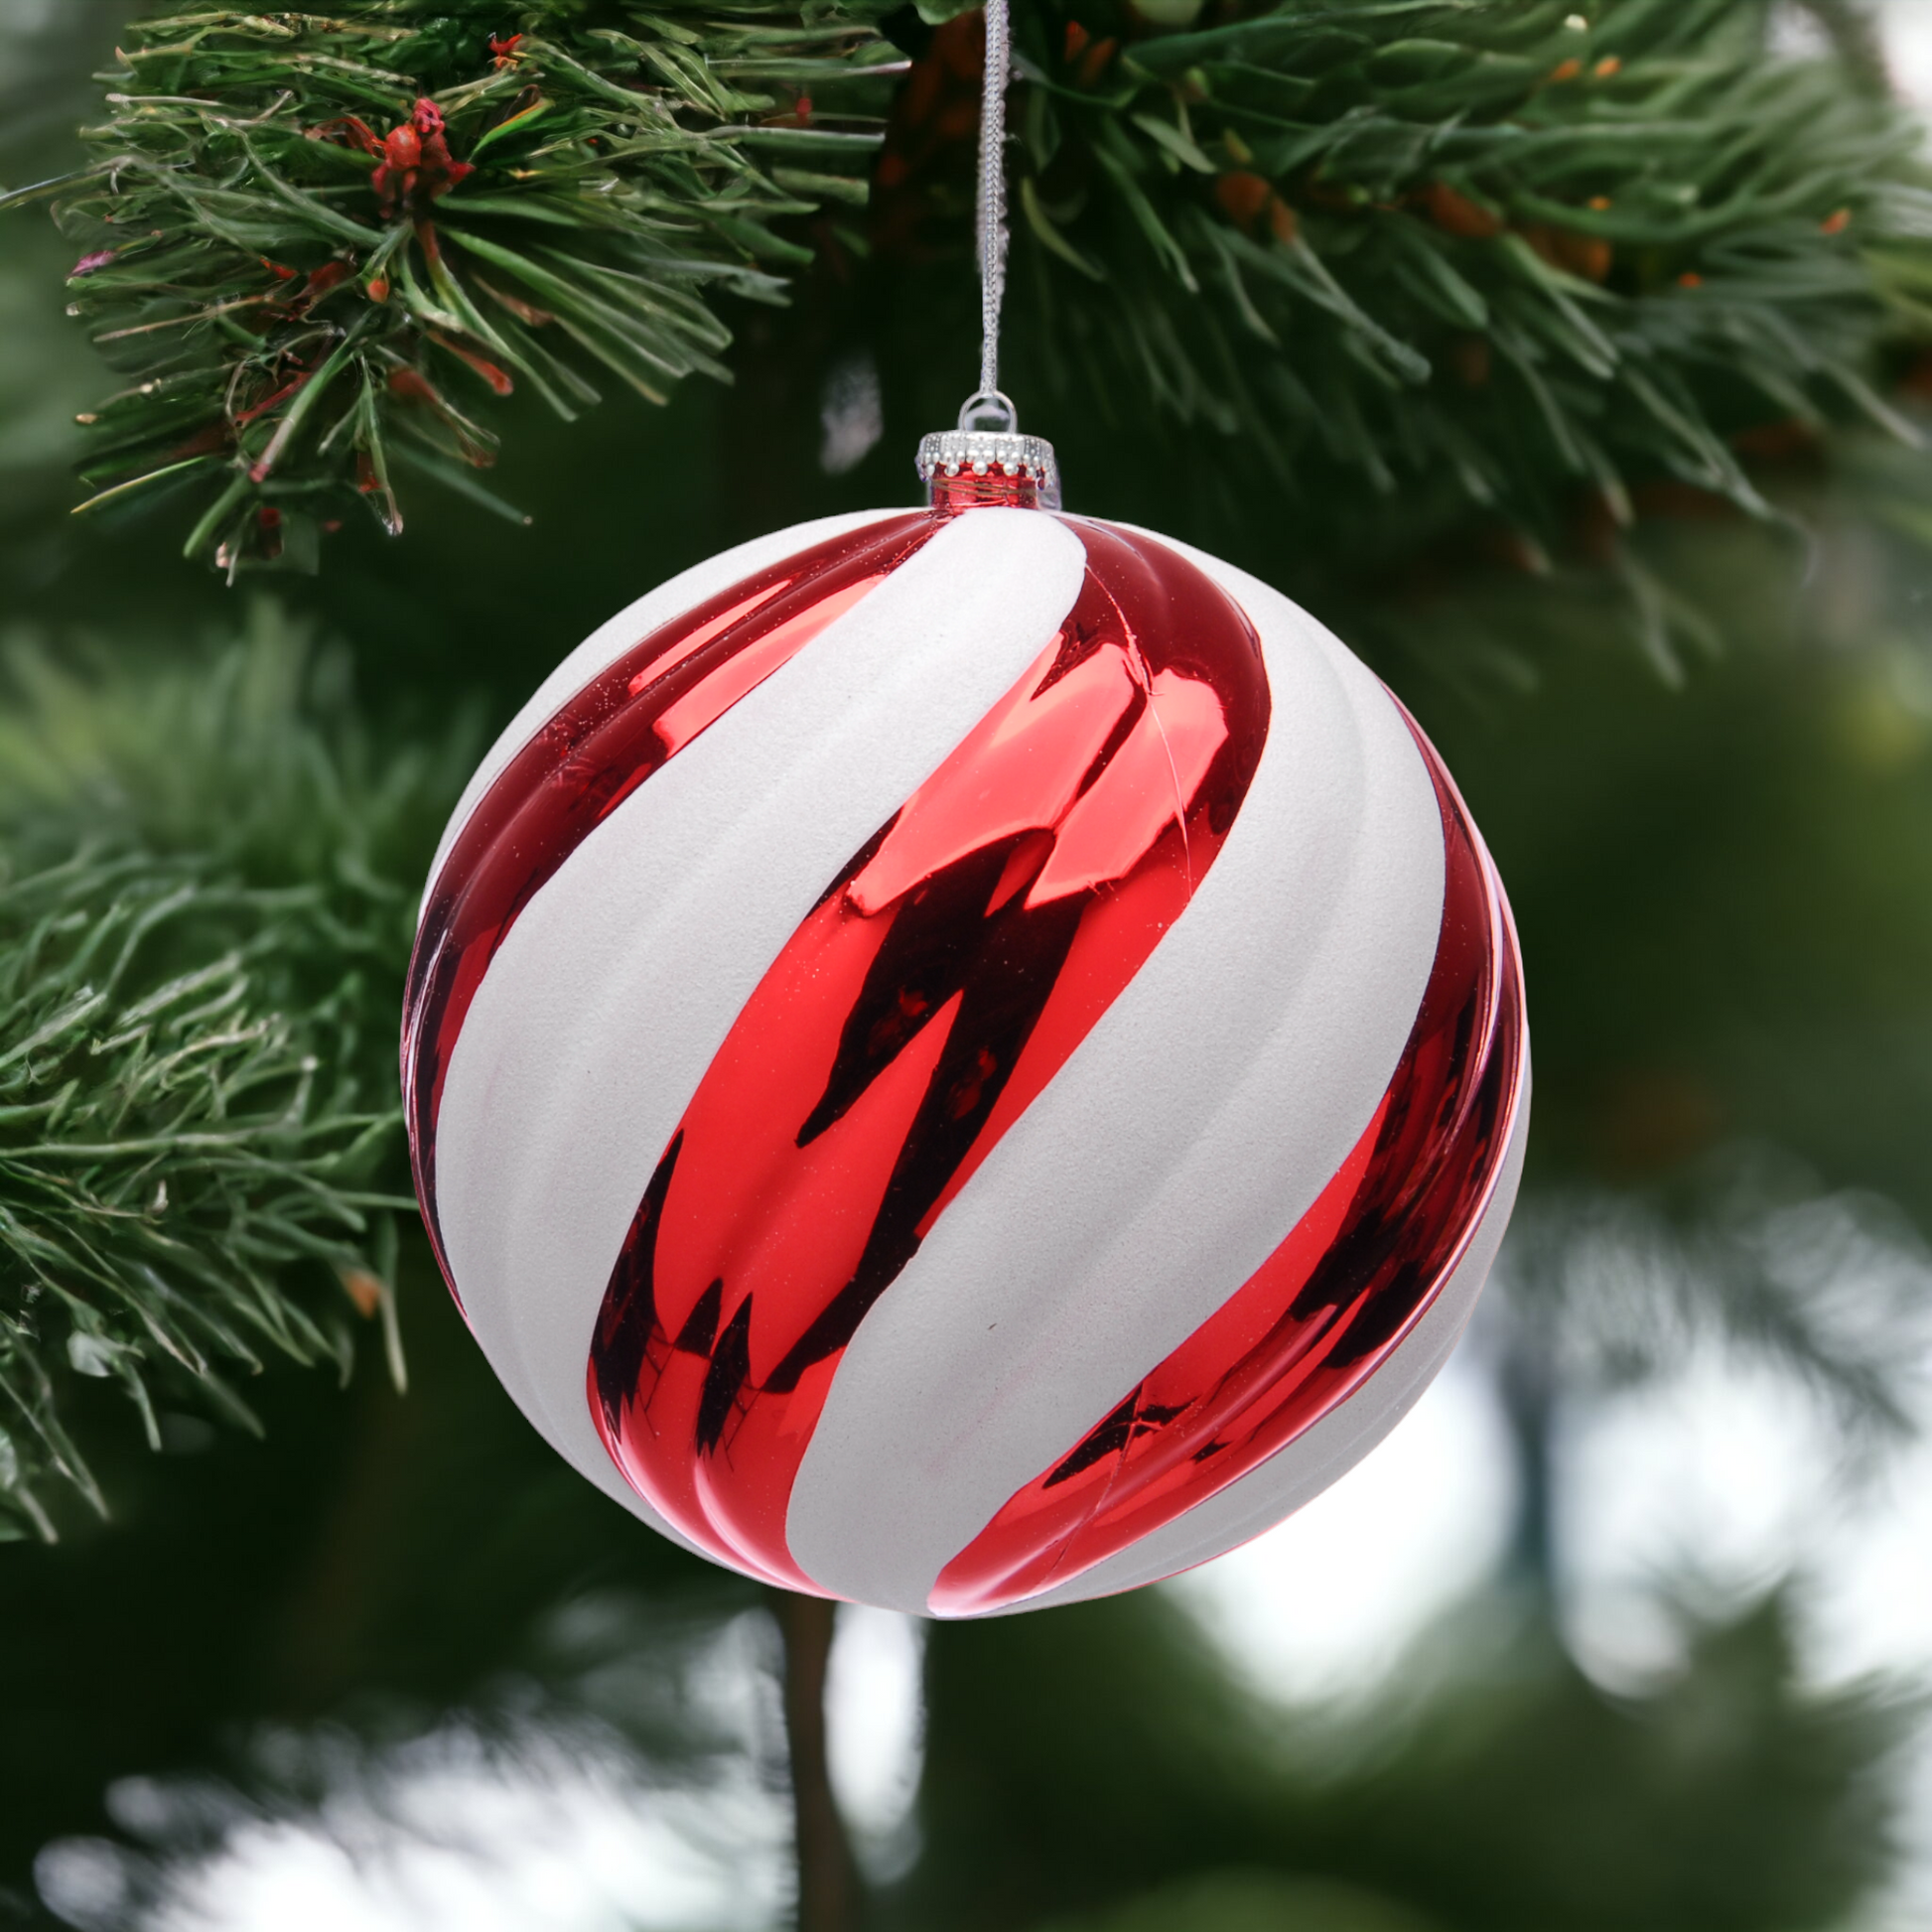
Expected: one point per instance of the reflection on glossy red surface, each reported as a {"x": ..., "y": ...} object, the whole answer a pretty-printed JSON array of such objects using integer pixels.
[
  {"x": 939, "y": 984},
  {"x": 1327, "y": 1306},
  {"x": 612, "y": 734}
]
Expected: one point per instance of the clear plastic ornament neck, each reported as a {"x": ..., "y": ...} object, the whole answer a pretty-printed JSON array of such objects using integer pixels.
[{"x": 985, "y": 461}]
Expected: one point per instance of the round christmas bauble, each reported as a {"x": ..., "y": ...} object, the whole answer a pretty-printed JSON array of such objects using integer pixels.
[{"x": 964, "y": 1058}]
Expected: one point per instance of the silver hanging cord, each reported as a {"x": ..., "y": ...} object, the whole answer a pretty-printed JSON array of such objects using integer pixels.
[
  {"x": 988, "y": 440},
  {"x": 987, "y": 407}
]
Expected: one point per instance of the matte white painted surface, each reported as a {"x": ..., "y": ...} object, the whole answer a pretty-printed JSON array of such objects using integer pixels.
[
  {"x": 617, "y": 985},
  {"x": 1184, "y": 1138}
]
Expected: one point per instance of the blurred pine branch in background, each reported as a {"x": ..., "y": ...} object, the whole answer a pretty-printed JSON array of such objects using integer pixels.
[{"x": 201, "y": 933}]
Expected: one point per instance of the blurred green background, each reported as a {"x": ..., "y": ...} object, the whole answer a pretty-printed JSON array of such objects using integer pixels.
[{"x": 1628, "y": 1627}]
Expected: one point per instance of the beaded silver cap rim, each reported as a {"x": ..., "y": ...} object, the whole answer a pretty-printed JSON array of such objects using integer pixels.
[{"x": 988, "y": 453}]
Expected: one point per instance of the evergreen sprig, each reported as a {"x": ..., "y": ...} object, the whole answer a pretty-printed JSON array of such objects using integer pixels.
[
  {"x": 1450, "y": 257},
  {"x": 1828, "y": 1292},
  {"x": 170, "y": 1145},
  {"x": 314, "y": 243},
  {"x": 199, "y": 1140},
  {"x": 1411, "y": 258}
]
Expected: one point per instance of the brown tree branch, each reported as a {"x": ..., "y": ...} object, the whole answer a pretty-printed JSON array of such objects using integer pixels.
[{"x": 828, "y": 1878}]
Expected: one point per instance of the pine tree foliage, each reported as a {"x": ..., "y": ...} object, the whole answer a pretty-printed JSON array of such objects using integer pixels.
[
  {"x": 316, "y": 244},
  {"x": 1490, "y": 1787},
  {"x": 201, "y": 932},
  {"x": 1424, "y": 259},
  {"x": 1832, "y": 1292},
  {"x": 1460, "y": 259},
  {"x": 173, "y": 1144}
]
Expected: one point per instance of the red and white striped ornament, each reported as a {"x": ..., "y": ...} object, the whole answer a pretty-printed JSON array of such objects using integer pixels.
[{"x": 964, "y": 1058}]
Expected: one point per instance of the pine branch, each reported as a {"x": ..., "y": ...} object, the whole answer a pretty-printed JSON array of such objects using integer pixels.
[
  {"x": 1405, "y": 260},
  {"x": 318, "y": 246},
  {"x": 1853, "y": 29},
  {"x": 1823, "y": 1289},
  {"x": 1496, "y": 259},
  {"x": 199, "y": 1131}
]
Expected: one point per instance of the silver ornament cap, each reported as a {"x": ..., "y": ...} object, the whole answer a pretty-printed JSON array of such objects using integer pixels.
[
  {"x": 981, "y": 464},
  {"x": 994, "y": 457}
]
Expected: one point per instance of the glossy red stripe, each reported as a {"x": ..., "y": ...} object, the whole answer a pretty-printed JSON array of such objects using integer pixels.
[
  {"x": 624, "y": 724},
  {"x": 1328, "y": 1305},
  {"x": 939, "y": 984}
]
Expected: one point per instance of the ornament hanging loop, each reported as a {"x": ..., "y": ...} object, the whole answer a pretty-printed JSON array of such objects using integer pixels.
[{"x": 989, "y": 409}]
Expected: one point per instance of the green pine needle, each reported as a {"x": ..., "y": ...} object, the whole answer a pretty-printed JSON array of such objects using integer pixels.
[
  {"x": 199, "y": 1137},
  {"x": 320, "y": 247},
  {"x": 1414, "y": 261},
  {"x": 1446, "y": 259}
]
